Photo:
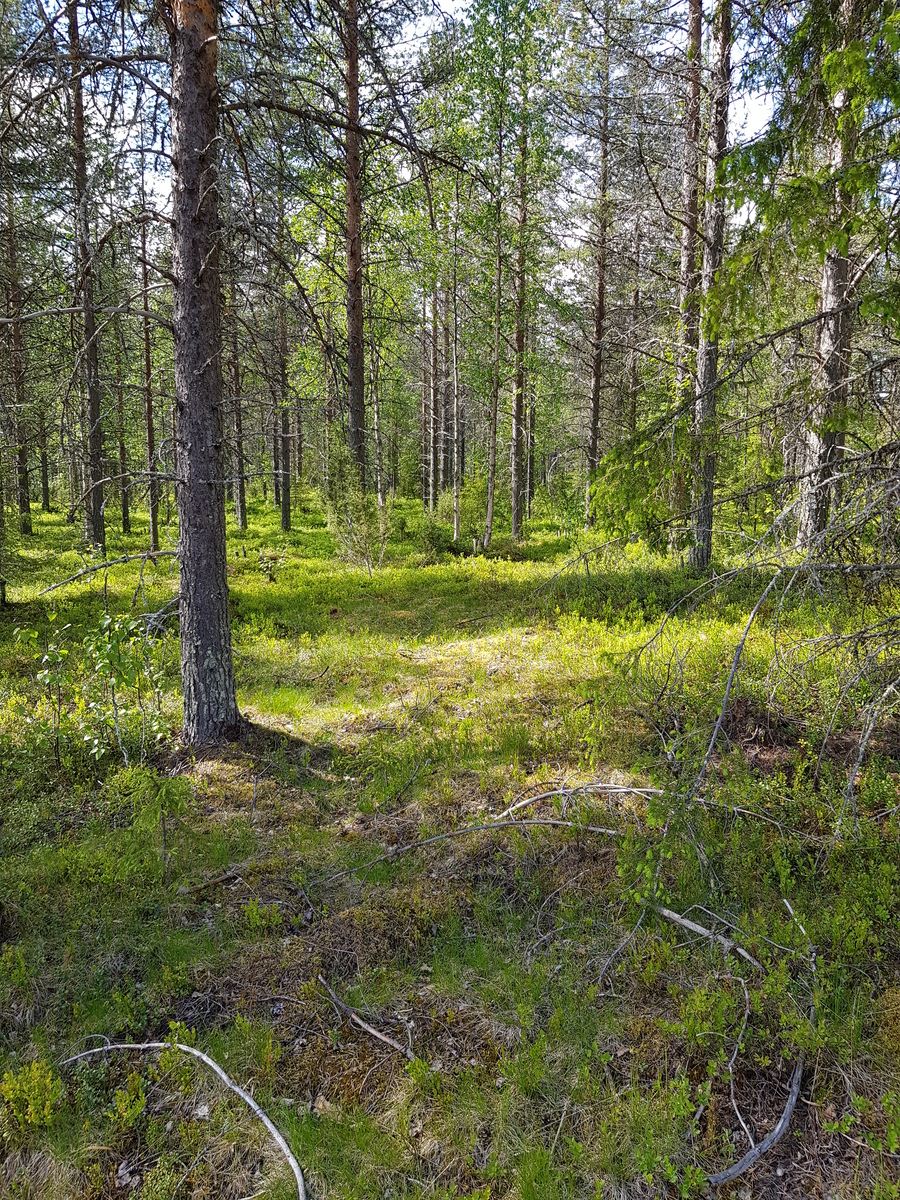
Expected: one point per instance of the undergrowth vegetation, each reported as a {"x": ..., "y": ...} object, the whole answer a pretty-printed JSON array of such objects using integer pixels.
[{"x": 547, "y": 1028}]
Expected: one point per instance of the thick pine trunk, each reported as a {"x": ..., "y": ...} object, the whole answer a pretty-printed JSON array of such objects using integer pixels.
[
  {"x": 207, "y": 670},
  {"x": 704, "y": 427},
  {"x": 356, "y": 377},
  {"x": 84, "y": 259}
]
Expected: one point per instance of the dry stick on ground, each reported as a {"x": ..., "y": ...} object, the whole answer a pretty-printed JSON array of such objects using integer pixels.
[
  {"x": 677, "y": 919},
  {"x": 357, "y": 1020},
  {"x": 201, "y": 887},
  {"x": 584, "y": 789},
  {"x": 147, "y": 1047},
  {"x": 753, "y": 1156}
]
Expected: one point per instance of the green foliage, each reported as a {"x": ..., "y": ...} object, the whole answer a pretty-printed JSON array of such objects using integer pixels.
[
  {"x": 31, "y": 1097},
  {"x": 129, "y": 1102}
]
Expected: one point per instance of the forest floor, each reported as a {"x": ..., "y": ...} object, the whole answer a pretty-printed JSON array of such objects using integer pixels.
[{"x": 507, "y": 1012}]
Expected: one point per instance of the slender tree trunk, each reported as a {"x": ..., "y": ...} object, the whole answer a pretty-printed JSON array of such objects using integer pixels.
[
  {"x": 45, "y": 462},
  {"x": 84, "y": 259},
  {"x": 240, "y": 465},
  {"x": 597, "y": 355},
  {"x": 426, "y": 441},
  {"x": 495, "y": 366},
  {"x": 376, "y": 425},
  {"x": 634, "y": 378},
  {"x": 17, "y": 363},
  {"x": 447, "y": 398},
  {"x": 153, "y": 481},
  {"x": 356, "y": 379},
  {"x": 207, "y": 669},
  {"x": 457, "y": 423},
  {"x": 517, "y": 449},
  {"x": 821, "y": 444},
  {"x": 285, "y": 412},
  {"x": 124, "y": 481},
  {"x": 713, "y": 249},
  {"x": 688, "y": 276},
  {"x": 434, "y": 458},
  {"x": 298, "y": 453},
  {"x": 529, "y": 490},
  {"x": 276, "y": 453}
]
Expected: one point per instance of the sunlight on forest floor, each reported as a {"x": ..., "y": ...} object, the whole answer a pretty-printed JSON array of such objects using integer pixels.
[{"x": 550, "y": 1035}]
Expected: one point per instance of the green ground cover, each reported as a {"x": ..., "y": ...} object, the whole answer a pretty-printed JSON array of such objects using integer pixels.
[{"x": 558, "y": 1036}]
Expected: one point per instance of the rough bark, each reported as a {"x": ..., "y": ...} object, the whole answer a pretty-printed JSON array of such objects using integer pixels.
[
  {"x": 704, "y": 426},
  {"x": 356, "y": 379},
  {"x": 207, "y": 670},
  {"x": 84, "y": 258}
]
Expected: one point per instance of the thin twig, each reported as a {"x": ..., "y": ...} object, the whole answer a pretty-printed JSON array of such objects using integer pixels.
[{"x": 357, "y": 1020}]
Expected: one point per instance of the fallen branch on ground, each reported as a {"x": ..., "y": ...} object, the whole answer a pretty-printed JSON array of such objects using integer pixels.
[
  {"x": 753, "y": 1156},
  {"x": 357, "y": 1020},
  {"x": 584, "y": 789},
  {"x": 146, "y": 1047},
  {"x": 201, "y": 887},
  {"x": 728, "y": 943}
]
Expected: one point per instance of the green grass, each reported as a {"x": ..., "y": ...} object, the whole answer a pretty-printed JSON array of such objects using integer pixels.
[{"x": 568, "y": 1041}]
